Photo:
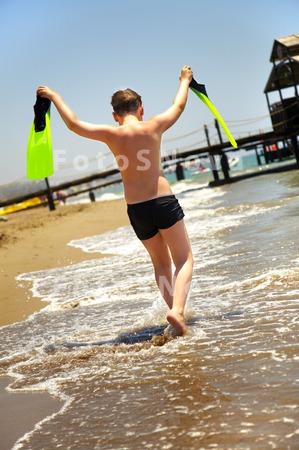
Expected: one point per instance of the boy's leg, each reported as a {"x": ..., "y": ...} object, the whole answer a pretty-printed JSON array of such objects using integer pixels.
[
  {"x": 160, "y": 256},
  {"x": 176, "y": 237}
]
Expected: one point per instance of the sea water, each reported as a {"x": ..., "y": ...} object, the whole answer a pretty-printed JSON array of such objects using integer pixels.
[{"x": 230, "y": 383}]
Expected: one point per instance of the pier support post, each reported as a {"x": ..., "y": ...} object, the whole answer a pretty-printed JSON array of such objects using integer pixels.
[
  {"x": 179, "y": 170},
  {"x": 258, "y": 157},
  {"x": 218, "y": 131},
  {"x": 50, "y": 196},
  {"x": 214, "y": 168},
  {"x": 225, "y": 166},
  {"x": 295, "y": 147},
  {"x": 92, "y": 197},
  {"x": 211, "y": 157}
]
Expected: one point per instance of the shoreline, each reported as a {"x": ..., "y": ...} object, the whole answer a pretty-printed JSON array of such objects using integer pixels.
[
  {"x": 36, "y": 239},
  {"x": 32, "y": 240}
]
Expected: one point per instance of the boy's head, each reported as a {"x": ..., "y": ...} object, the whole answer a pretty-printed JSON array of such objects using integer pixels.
[{"x": 125, "y": 102}]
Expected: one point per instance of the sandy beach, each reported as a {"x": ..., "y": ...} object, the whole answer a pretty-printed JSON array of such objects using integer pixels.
[{"x": 34, "y": 240}]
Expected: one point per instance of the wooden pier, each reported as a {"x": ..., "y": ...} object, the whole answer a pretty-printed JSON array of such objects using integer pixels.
[
  {"x": 271, "y": 146},
  {"x": 261, "y": 143}
]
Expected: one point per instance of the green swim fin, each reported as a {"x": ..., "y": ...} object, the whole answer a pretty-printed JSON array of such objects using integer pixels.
[
  {"x": 39, "y": 148},
  {"x": 200, "y": 91}
]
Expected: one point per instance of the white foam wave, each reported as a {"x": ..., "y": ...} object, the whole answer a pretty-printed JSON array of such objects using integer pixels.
[
  {"x": 107, "y": 196},
  {"x": 121, "y": 241}
]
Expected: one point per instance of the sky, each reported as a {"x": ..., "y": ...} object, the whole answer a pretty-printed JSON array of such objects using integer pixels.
[{"x": 86, "y": 50}]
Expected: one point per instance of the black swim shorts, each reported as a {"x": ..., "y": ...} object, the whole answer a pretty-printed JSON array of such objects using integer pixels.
[{"x": 148, "y": 217}]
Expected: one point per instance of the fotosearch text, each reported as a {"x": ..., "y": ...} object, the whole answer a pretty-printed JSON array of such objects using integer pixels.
[{"x": 82, "y": 163}]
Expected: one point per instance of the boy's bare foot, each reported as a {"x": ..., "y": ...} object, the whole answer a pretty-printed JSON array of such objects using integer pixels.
[{"x": 177, "y": 320}]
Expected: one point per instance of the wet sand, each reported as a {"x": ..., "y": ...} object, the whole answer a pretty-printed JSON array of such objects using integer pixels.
[
  {"x": 20, "y": 412},
  {"x": 33, "y": 240}
]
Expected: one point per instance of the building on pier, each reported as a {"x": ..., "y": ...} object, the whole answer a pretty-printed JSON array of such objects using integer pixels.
[
  {"x": 283, "y": 81},
  {"x": 284, "y": 76}
]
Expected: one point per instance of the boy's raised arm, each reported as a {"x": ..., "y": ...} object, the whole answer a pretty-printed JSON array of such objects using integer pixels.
[
  {"x": 180, "y": 99},
  {"x": 85, "y": 129},
  {"x": 171, "y": 115}
]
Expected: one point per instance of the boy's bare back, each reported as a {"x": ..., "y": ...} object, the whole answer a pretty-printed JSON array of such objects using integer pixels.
[
  {"x": 136, "y": 147},
  {"x": 135, "y": 143}
]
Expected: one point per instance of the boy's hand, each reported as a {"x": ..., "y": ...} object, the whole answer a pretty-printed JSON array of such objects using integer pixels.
[
  {"x": 45, "y": 92},
  {"x": 186, "y": 74}
]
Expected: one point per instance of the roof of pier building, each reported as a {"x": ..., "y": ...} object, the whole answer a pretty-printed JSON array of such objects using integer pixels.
[{"x": 285, "y": 59}]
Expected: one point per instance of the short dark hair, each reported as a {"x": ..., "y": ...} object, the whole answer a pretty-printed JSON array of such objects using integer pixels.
[{"x": 125, "y": 101}]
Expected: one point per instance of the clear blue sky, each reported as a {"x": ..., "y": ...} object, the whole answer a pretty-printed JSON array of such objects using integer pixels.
[{"x": 86, "y": 50}]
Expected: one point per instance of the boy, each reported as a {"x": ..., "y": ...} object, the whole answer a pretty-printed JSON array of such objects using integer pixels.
[{"x": 154, "y": 212}]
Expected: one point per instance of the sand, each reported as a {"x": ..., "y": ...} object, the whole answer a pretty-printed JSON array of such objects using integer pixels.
[{"x": 31, "y": 240}]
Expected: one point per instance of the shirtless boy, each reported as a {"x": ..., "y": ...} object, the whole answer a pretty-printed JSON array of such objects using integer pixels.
[{"x": 154, "y": 211}]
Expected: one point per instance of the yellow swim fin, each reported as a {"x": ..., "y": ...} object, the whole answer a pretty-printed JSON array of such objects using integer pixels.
[
  {"x": 200, "y": 91},
  {"x": 39, "y": 148}
]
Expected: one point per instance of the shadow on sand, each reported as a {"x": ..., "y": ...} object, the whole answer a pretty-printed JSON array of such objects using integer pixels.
[{"x": 153, "y": 334}]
